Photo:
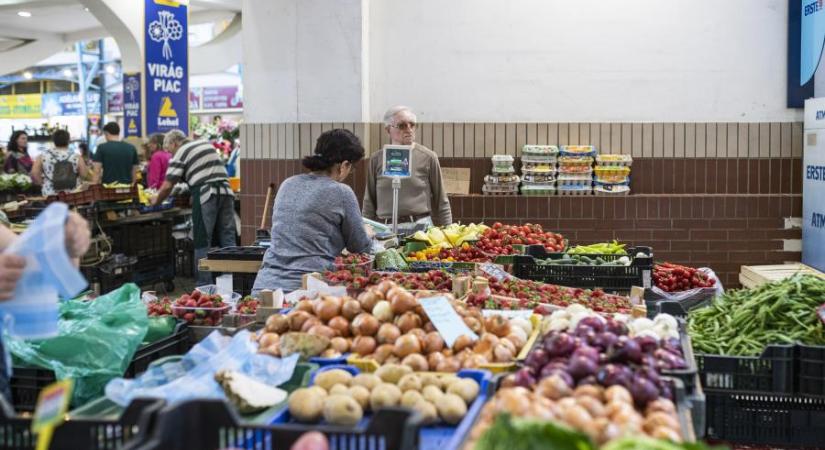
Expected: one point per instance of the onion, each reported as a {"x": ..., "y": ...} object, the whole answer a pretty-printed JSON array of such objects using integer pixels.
[
  {"x": 429, "y": 327},
  {"x": 433, "y": 342},
  {"x": 517, "y": 340},
  {"x": 401, "y": 301},
  {"x": 323, "y": 330},
  {"x": 269, "y": 339},
  {"x": 351, "y": 309},
  {"x": 504, "y": 353},
  {"x": 474, "y": 361},
  {"x": 497, "y": 325},
  {"x": 406, "y": 345},
  {"x": 434, "y": 359},
  {"x": 383, "y": 311},
  {"x": 305, "y": 305},
  {"x": 388, "y": 333},
  {"x": 368, "y": 300},
  {"x": 462, "y": 342},
  {"x": 364, "y": 324},
  {"x": 522, "y": 324},
  {"x": 341, "y": 345},
  {"x": 486, "y": 343},
  {"x": 420, "y": 334},
  {"x": 408, "y": 321},
  {"x": 474, "y": 324},
  {"x": 416, "y": 361},
  {"x": 383, "y": 353},
  {"x": 384, "y": 287},
  {"x": 297, "y": 319},
  {"x": 363, "y": 345},
  {"x": 277, "y": 323},
  {"x": 449, "y": 364},
  {"x": 327, "y": 309},
  {"x": 311, "y": 322},
  {"x": 339, "y": 324}
]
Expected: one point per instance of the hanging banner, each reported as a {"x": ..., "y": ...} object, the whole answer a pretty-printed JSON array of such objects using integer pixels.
[
  {"x": 23, "y": 106},
  {"x": 69, "y": 104},
  {"x": 114, "y": 102},
  {"x": 131, "y": 105},
  {"x": 166, "y": 66}
]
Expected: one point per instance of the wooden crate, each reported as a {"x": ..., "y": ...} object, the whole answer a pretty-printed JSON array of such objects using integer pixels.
[{"x": 754, "y": 276}]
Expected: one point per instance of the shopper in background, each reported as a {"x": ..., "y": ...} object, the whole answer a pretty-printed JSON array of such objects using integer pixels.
[
  {"x": 12, "y": 267},
  {"x": 86, "y": 156},
  {"x": 59, "y": 169},
  {"x": 213, "y": 203},
  {"x": 158, "y": 161},
  {"x": 115, "y": 161},
  {"x": 17, "y": 156},
  {"x": 95, "y": 139},
  {"x": 315, "y": 216},
  {"x": 422, "y": 198}
]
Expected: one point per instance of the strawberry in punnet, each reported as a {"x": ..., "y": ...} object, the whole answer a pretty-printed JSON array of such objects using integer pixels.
[{"x": 248, "y": 305}]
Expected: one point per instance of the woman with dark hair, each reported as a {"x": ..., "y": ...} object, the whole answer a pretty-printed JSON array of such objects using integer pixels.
[
  {"x": 315, "y": 215},
  {"x": 17, "y": 158}
]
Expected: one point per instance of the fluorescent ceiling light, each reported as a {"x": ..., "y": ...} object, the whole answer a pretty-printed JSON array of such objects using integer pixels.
[
  {"x": 67, "y": 73},
  {"x": 24, "y": 14},
  {"x": 110, "y": 69},
  {"x": 27, "y": 75}
]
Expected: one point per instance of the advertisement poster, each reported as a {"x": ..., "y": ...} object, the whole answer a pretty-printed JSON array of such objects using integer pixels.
[
  {"x": 24, "y": 106},
  {"x": 69, "y": 104},
  {"x": 225, "y": 97},
  {"x": 131, "y": 105},
  {"x": 194, "y": 99},
  {"x": 813, "y": 185},
  {"x": 166, "y": 66}
]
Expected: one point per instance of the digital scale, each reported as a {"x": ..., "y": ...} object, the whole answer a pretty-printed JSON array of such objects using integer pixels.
[{"x": 398, "y": 163}]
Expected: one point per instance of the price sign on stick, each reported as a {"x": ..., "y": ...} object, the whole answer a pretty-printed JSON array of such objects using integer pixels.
[
  {"x": 52, "y": 405},
  {"x": 444, "y": 318}
]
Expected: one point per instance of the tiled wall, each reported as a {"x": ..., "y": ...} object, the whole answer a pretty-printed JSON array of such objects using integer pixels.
[{"x": 703, "y": 194}]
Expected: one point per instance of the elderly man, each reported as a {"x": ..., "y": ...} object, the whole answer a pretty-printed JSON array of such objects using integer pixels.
[
  {"x": 422, "y": 198},
  {"x": 213, "y": 204}
]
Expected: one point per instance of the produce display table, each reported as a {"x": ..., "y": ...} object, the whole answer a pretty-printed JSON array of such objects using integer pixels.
[{"x": 242, "y": 262}]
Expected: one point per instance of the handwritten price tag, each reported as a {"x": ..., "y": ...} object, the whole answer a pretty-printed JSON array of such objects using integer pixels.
[
  {"x": 510, "y": 314},
  {"x": 494, "y": 271},
  {"x": 445, "y": 319}
]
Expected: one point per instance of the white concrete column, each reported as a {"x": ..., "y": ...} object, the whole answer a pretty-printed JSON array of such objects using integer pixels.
[{"x": 304, "y": 61}]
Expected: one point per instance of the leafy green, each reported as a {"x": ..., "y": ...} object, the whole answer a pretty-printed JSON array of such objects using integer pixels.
[
  {"x": 508, "y": 433},
  {"x": 648, "y": 443}
]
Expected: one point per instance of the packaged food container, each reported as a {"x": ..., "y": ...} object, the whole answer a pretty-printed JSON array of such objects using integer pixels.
[
  {"x": 538, "y": 190},
  {"x": 607, "y": 190},
  {"x": 539, "y": 150},
  {"x": 578, "y": 150},
  {"x": 500, "y": 189},
  {"x": 501, "y": 179},
  {"x": 613, "y": 180},
  {"x": 503, "y": 163},
  {"x": 575, "y": 161},
  {"x": 575, "y": 180},
  {"x": 575, "y": 170},
  {"x": 538, "y": 178},
  {"x": 614, "y": 160},
  {"x": 539, "y": 159},
  {"x": 538, "y": 168},
  {"x": 574, "y": 190},
  {"x": 612, "y": 171}
]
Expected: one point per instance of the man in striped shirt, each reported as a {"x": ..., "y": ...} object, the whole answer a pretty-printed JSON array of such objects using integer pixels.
[{"x": 213, "y": 204}]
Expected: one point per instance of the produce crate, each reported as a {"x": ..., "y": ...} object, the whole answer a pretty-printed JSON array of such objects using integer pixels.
[
  {"x": 143, "y": 239},
  {"x": 242, "y": 282},
  {"x": 213, "y": 425},
  {"x": 247, "y": 253},
  {"x": 118, "y": 194},
  {"x": 608, "y": 278},
  {"x": 430, "y": 437},
  {"x": 698, "y": 406},
  {"x": 755, "y": 276},
  {"x": 87, "y": 434},
  {"x": 185, "y": 257},
  {"x": 679, "y": 308},
  {"x": 27, "y": 382},
  {"x": 687, "y": 376},
  {"x": 748, "y": 417},
  {"x": 772, "y": 372},
  {"x": 811, "y": 370}
]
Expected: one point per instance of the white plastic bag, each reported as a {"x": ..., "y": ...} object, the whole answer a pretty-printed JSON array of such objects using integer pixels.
[{"x": 710, "y": 292}]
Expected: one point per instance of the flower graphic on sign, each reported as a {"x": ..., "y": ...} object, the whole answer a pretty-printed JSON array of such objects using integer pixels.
[
  {"x": 132, "y": 87},
  {"x": 165, "y": 29}
]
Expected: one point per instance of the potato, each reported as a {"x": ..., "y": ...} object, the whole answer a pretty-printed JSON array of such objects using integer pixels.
[
  {"x": 342, "y": 410},
  {"x": 339, "y": 389},
  {"x": 306, "y": 405},
  {"x": 367, "y": 380},
  {"x": 409, "y": 382},
  {"x": 410, "y": 398},
  {"x": 429, "y": 414},
  {"x": 385, "y": 394},
  {"x": 465, "y": 388},
  {"x": 392, "y": 373},
  {"x": 429, "y": 379},
  {"x": 361, "y": 395},
  {"x": 447, "y": 380},
  {"x": 318, "y": 390},
  {"x": 330, "y": 378},
  {"x": 452, "y": 408},
  {"x": 432, "y": 394}
]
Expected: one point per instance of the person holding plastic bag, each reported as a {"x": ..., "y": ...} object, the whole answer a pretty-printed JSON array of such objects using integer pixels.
[
  {"x": 13, "y": 268},
  {"x": 315, "y": 216}
]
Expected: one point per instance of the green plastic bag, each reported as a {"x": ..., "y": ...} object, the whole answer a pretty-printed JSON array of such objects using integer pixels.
[
  {"x": 159, "y": 327},
  {"x": 97, "y": 341}
]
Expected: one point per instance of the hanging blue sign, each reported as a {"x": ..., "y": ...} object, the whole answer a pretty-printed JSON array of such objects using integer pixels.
[
  {"x": 131, "y": 105},
  {"x": 166, "y": 47}
]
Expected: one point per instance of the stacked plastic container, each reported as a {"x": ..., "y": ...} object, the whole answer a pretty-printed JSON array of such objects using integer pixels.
[
  {"x": 503, "y": 180},
  {"x": 575, "y": 173},
  {"x": 538, "y": 170},
  {"x": 612, "y": 175}
]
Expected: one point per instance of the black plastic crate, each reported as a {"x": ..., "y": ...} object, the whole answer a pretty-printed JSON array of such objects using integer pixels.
[
  {"x": 87, "y": 434},
  {"x": 212, "y": 425},
  {"x": 249, "y": 253},
  {"x": 698, "y": 406},
  {"x": 687, "y": 376},
  {"x": 757, "y": 418},
  {"x": 772, "y": 372},
  {"x": 27, "y": 382},
  {"x": 608, "y": 278},
  {"x": 184, "y": 257},
  {"x": 242, "y": 283},
  {"x": 143, "y": 239},
  {"x": 811, "y": 370}
]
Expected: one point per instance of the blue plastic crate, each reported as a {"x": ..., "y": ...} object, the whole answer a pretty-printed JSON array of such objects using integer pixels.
[{"x": 431, "y": 437}]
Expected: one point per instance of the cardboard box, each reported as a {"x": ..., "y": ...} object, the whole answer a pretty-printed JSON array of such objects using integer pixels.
[{"x": 456, "y": 180}]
